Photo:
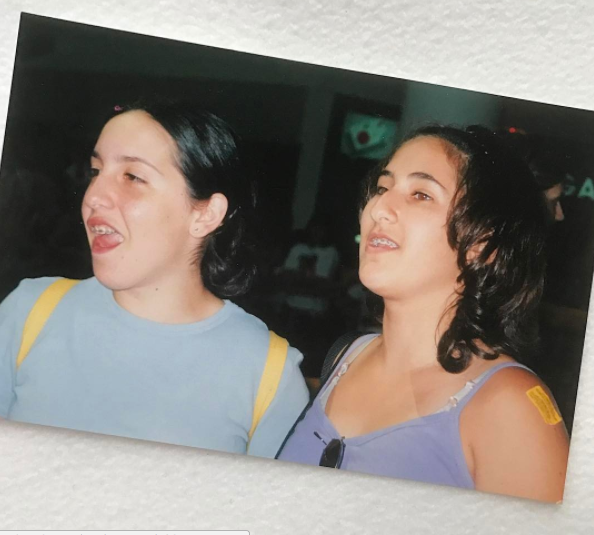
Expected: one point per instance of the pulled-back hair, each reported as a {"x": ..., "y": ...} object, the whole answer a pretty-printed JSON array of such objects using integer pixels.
[
  {"x": 497, "y": 223},
  {"x": 207, "y": 157}
]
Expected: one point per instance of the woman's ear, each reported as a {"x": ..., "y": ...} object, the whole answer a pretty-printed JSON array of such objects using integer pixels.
[
  {"x": 474, "y": 252},
  {"x": 477, "y": 249},
  {"x": 208, "y": 215}
]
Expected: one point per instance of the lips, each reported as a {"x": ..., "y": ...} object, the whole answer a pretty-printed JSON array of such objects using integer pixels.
[
  {"x": 106, "y": 236},
  {"x": 381, "y": 242}
]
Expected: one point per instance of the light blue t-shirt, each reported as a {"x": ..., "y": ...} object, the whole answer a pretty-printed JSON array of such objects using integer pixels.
[{"x": 96, "y": 367}]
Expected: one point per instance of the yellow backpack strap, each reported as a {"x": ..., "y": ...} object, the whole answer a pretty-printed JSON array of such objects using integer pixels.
[
  {"x": 40, "y": 313},
  {"x": 275, "y": 363}
]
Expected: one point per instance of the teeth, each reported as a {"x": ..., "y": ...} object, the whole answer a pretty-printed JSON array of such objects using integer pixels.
[
  {"x": 376, "y": 242},
  {"x": 102, "y": 229}
]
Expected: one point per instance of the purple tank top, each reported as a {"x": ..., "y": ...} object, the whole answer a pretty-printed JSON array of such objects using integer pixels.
[{"x": 426, "y": 449}]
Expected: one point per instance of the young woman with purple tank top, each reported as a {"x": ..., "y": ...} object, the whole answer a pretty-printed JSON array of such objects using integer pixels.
[{"x": 452, "y": 235}]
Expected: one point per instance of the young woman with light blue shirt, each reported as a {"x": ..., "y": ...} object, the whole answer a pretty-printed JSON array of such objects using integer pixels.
[{"x": 151, "y": 347}]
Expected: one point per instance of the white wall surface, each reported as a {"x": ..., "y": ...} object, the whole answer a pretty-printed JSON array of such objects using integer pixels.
[{"x": 56, "y": 479}]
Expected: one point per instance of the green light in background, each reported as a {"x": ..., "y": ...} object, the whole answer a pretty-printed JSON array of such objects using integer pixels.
[{"x": 367, "y": 136}]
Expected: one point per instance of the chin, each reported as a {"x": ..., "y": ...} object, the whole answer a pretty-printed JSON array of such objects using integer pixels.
[
  {"x": 112, "y": 281},
  {"x": 395, "y": 289},
  {"x": 373, "y": 283}
]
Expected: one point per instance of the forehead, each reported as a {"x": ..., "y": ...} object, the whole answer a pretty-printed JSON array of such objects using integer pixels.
[
  {"x": 136, "y": 133},
  {"x": 425, "y": 154}
]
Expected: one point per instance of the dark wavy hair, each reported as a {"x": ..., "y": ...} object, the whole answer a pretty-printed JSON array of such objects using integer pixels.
[
  {"x": 208, "y": 158},
  {"x": 497, "y": 223}
]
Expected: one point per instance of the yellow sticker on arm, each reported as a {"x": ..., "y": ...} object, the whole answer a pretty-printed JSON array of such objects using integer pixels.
[{"x": 545, "y": 406}]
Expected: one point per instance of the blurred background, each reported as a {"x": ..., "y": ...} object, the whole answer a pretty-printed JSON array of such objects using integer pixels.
[{"x": 309, "y": 136}]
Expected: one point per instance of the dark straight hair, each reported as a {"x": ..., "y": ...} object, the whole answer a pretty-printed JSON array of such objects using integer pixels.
[{"x": 497, "y": 223}]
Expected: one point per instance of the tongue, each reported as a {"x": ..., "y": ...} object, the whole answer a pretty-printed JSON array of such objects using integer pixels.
[{"x": 105, "y": 241}]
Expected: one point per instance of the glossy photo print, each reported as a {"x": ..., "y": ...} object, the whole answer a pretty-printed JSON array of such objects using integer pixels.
[{"x": 238, "y": 253}]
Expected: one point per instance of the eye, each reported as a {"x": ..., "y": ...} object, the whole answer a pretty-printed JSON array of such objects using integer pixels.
[
  {"x": 379, "y": 190},
  {"x": 91, "y": 173},
  {"x": 420, "y": 196},
  {"x": 134, "y": 178}
]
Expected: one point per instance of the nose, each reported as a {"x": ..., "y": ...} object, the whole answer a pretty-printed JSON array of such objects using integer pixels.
[
  {"x": 385, "y": 207},
  {"x": 99, "y": 193}
]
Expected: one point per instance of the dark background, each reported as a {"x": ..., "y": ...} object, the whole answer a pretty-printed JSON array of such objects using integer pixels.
[{"x": 68, "y": 77}]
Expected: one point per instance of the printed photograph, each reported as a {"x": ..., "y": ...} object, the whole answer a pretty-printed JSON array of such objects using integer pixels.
[{"x": 234, "y": 252}]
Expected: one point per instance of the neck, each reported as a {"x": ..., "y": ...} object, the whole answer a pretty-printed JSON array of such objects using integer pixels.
[
  {"x": 412, "y": 329},
  {"x": 174, "y": 300}
]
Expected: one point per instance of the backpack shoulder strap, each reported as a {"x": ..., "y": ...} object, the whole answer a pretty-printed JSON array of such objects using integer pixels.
[
  {"x": 271, "y": 376},
  {"x": 40, "y": 313},
  {"x": 335, "y": 353}
]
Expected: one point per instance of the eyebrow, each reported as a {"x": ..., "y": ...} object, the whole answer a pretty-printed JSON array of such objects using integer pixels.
[
  {"x": 415, "y": 174},
  {"x": 95, "y": 154}
]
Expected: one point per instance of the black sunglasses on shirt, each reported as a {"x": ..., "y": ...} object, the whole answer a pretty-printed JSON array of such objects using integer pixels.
[{"x": 333, "y": 453}]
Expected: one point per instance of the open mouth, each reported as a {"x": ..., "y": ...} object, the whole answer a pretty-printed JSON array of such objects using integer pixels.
[{"x": 106, "y": 238}]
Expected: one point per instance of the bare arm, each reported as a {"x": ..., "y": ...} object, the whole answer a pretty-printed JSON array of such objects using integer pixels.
[{"x": 516, "y": 442}]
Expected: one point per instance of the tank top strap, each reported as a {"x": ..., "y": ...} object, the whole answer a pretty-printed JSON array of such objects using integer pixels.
[
  {"x": 340, "y": 369},
  {"x": 459, "y": 400}
]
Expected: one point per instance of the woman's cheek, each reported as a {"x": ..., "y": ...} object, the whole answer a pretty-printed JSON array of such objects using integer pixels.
[{"x": 135, "y": 210}]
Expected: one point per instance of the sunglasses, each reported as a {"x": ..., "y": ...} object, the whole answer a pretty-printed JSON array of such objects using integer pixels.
[{"x": 333, "y": 453}]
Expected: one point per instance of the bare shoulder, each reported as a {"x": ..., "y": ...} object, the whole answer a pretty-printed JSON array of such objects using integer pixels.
[
  {"x": 515, "y": 395},
  {"x": 516, "y": 437}
]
